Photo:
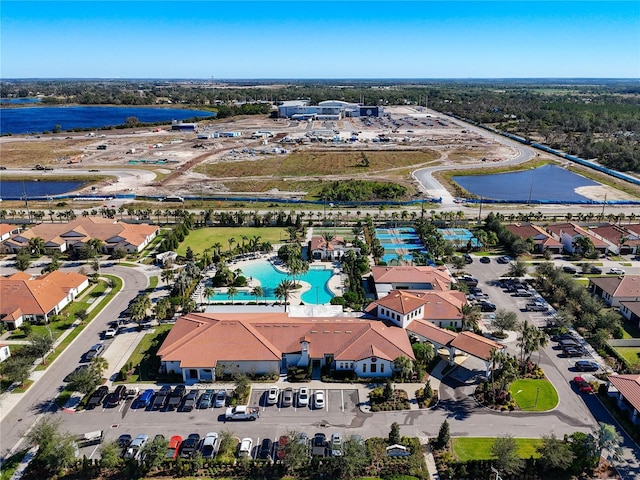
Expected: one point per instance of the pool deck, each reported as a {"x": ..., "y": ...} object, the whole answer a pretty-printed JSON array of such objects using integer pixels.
[{"x": 335, "y": 283}]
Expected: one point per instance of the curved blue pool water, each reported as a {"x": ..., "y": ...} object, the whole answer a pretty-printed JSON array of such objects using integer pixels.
[{"x": 270, "y": 278}]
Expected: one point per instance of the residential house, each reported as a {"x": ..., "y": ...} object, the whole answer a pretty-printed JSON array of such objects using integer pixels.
[
  {"x": 200, "y": 346},
  {"x": 61, "y": 237},
  {"x": 542, "y": 241},
  {"x": 621, "y": 239},
  {"x": 4, "y": 352},
  {"x": 568, "y": 233},
  {"x": 616, "y": 289},
  {"x": 631, "y": 311},
  {"x": 626, "y": 390},
  {"x": 23, "y": 298},
  {"x": 384, "y": 279},
  {"x": 328, "y": 251},
  {"x": 7, "y": 229},
  {"x": 442, "y": 307}
]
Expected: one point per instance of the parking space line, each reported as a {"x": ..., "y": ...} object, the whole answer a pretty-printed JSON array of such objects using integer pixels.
[
  {"x": 326, "y": 399},
  {"x": 342, "y": 399},
  {"x": 257, "y": 447}
]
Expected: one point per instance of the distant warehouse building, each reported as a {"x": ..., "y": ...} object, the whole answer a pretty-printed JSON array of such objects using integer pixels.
[
  {"x": 327, "y": 110},
  {"x": 177, "y": 125}
]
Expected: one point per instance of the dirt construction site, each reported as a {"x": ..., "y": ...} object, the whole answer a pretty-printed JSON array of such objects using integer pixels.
[{"x": 257, "y": 155}]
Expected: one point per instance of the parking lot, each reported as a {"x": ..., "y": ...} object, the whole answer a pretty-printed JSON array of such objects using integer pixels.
[{"x": 337, "y": 400}]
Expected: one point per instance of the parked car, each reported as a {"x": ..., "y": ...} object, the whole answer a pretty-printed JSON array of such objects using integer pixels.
[
  {"x": 173, "y": 447},
  {"x": 523, "y": 292},
  {"x": 586, "y": 366},
  {"x": 190, "y": 400},
  {"x": 582, "y": 385},
  {"x": 303, "y": 397},
  {"x": 467, "y": 258},
  {"x": 616, "y": 271},
  {"x": 336, "y": 445},
  {"x": 572, "y": 352},
  {"x": 134, "y": 448},
  {"x": 287, "y": 397},
  {"x": 244, "y": 450},
  {"x": 206, "y": 399},
  {"x": 485, "y": 260},
  {"x": 272, "y": 395},
  {"x": 161, "y": 397},
  {"x": 318, "y": 399},
  {"x": 319, "y": 445},
  {"x": 595, "y": 270},
  {"x": 175, "y": 399},
  {"x": 563, "y": 336},
  {"x": 144, "y": 400},
  {"x": 208, "y": 448},
  {"x": 124, "y": 440},
  {"x": 536, "y": 307},
  {"x": 266, "y": 448},
  {"x": 487, "y": 307},
  {"x": 76, "y": 370},
  {"x": 504, "y": 259},
  {"x": 94, "y": 351},
  {"x": 114, "y": 398},
  {"x": 190, "y": 445},
  {"x": 569, "y": 269},
  {"x": 221, "y": 399},
  {"x": 97, "y": 397},
  {"x": 110, "y": 333}
]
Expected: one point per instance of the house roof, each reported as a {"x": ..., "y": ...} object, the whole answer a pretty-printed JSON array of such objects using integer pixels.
[
  {"x": 619, "y": 287},
  {"x": 203, "y": 340},
  {"x": 7, "y": 228},
  {"x": 439, "y": 277},
  {"x": 476, "y": 345},
  {"x": 426, "y": 329},
  {"x": 36, "y": 296},
  {"x": 633, "y": 307},
  {"x": 438, "y": 304},
  {"x": 574, "y": 230},
  {"x": 613, "y": 234},
  {"x": 628, "y": 386},
  {"x": 530, "y": 230},
  {"x": 319, "y": 243},
  {"x": 85, "y": 228}
]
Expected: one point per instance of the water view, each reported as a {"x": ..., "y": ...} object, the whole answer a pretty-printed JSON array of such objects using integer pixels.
[
  {"x": 41, "y": 119},
  {"x": 16, "y": 189},
  {"x": 270, "y": 277},
  {"x": 548, "y": 183}
]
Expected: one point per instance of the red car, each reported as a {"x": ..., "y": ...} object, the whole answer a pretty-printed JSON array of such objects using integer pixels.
[
  {"x": 582, "y": 385},
  {"x": 173, "y": 447}
]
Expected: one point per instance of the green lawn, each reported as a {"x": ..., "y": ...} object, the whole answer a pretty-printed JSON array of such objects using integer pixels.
[
  {"x": 10, "y": 465},
  {"x": 203, "y": 238},
  {"x": 479, "y": 448},
  {"x": 145, "y": 354},
  {"x": 525, "y": 392},
  {"x": 631, "y": 354}
]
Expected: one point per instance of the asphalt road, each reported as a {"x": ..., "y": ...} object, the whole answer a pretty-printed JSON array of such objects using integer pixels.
[{"x": 38, "y": 399}]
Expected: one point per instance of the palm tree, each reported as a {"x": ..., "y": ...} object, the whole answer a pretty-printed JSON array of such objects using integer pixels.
[
  {"x": 208, "y": 293},
  {"x": 404, "y": 366},
  {"x": 36, "y": 246},
  {"x": 167, "y": 276},
  {"x": 232, "y": 292},
  {"x": 531, "y": 339},
  {"x": 231, "y": 241},
  {"x": 283, "y": 290},
  {"x": 470, "y": 317},
  {"x": 517, "y": 269},
  {"x": 257, "y": 291}
]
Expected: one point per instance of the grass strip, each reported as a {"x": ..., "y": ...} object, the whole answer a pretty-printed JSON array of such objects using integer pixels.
[
  {"x": 534, "y": 395},
  {"x": 10, "y": 465},
  {"x": 479, "y": 448}
]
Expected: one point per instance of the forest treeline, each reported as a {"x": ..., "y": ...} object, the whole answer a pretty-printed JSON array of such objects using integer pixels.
[{"x": 593, "y": 119}]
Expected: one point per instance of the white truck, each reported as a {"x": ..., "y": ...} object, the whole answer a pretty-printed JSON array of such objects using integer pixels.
[{"x": 242, "y": 412}]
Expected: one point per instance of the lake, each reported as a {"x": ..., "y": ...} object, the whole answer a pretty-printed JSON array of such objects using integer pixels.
[
  {"x": 41, "y": 119},
  {"x": 15, "y": 189},
  {"x": 542, "y": 184}
]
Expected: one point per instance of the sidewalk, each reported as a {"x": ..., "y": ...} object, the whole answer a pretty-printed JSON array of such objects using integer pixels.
[{"x": 8, "y": 399}]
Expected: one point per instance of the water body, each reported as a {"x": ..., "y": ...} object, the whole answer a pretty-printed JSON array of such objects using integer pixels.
[
  {"x": 20, "y": 101},
  {"x": 542, "y": 184},
  {"x": 41, "y": 119},
  {"x": 15, "y": 189}
]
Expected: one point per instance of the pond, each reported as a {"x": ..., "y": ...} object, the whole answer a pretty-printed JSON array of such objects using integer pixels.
[
  {"x": 16, "y": 189},
  {"x": 548, "y": 183}
]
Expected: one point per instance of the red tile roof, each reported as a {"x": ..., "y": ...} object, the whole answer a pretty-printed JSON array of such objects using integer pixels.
[
  {"x": 202, "y": 340},
  {"x": 426, "y": 329},
  {"x": 619, "y": 287},
  {"x": 318, "y": 243},
  {"x": 438, "y": 277},
  {"x": 574, "y": 230},
  {"x": 629, "y": 387},
  {"x": 476, "y": 345},
  {"x": 533, "y": 231},
  {"x": 36, "y": 296},
  {"x": 438, "y": 304}
]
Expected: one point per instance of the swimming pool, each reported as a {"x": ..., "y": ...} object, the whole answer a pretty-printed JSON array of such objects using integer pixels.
[{"x": 270, "y": 277}]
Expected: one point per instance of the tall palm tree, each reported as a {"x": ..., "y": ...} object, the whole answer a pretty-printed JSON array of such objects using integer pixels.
[
  {"x": 167, "y": 276},
  {"x": 231, "y": 241},
  {"x": 470, "y": 317},
  {"x": 404, "y": 366},
  {"x": 232, "y": 292},
  {"x": 284, "y": 290},
  {"x": 208, "y": 293},
  {"x": 257, "y": 291}
]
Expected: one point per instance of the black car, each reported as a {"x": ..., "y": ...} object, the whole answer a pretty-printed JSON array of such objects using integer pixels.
[
  {"x": 205, "y": 399},
  {"x": 569, "y": 269},
  {"x": 114, "y": 399},
  {"x": 485, "y": 260},
  {"x": 190, "y": 400},
  {"x": 586, "y": 366},
  {"x": 595, "y": 270},
  {"x": 124, "y": 440},
  {"x": 572, "y": 352},
  {"x": 487, "y": 307},
  {"x": 467, "y": 258},
  {"x": 175, "y": 399},
  {"x": 563, "y": 336},
  {"x": 161, "y": 397},
  {"x": 77, "y": 369},
  {"x": 97, "y": 397},
  {"x": 266, "y": 448},
  {"x": 190, "y": 445}
]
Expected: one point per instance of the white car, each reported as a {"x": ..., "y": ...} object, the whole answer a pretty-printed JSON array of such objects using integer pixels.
[
  {"x": 245, "y": 447},
  {"x": 336, "y": 445},
  {"x": 617, "y": 271},
  {"x": 208, "y": 447},
  {"x": 272, "y": 395},
  {"x": 303, "y": 397},
  {"x": 318, "y": 399},
  {"x": 110, "y": 333}
]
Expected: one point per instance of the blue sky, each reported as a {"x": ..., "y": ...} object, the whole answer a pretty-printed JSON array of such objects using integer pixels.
[{"x": 309, "y": 39}]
